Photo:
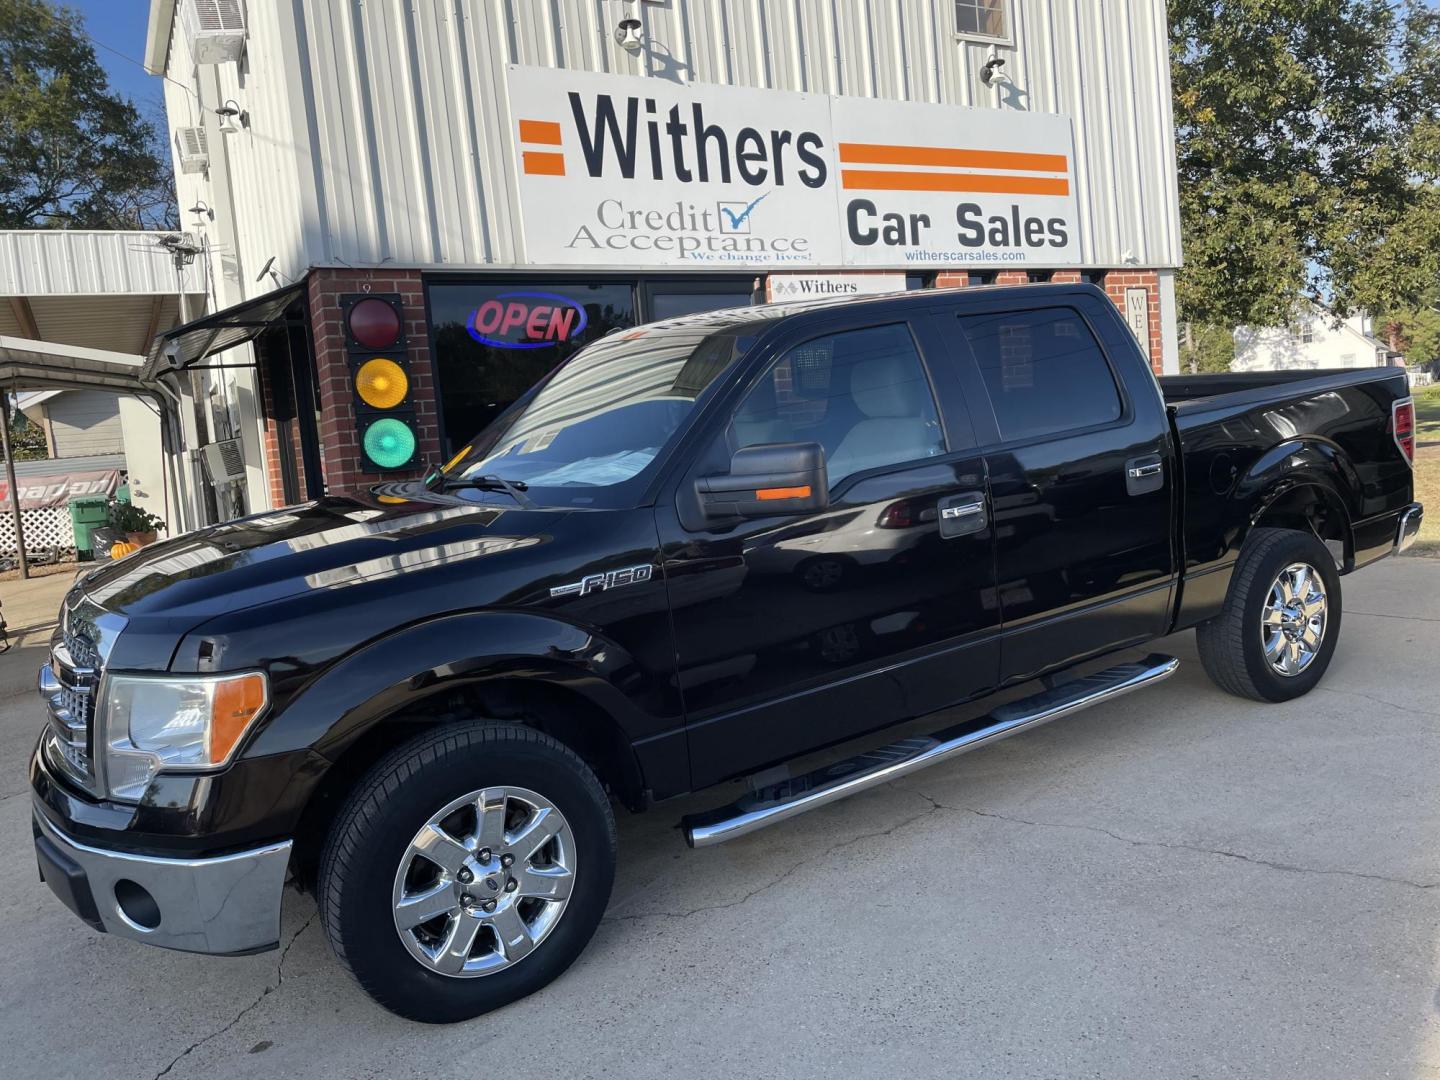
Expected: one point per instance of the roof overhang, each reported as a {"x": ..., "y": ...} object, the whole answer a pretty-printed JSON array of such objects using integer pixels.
[
  {"x": 157, "y": 35},
  {"x": 44, "y": 365},
  {"x": 187, "y": 345}
]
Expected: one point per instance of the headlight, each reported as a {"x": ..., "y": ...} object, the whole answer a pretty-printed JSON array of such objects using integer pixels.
[{"x": 191, "y": 723}]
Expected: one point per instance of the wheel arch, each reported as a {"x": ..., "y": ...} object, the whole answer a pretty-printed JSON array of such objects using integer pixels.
[
  {"x": 1306, "y": 484},
  {"x": 453, "y": 669}
]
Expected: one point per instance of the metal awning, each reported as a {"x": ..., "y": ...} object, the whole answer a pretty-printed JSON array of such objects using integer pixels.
[
  {"x": 185, "y": 346},
  {"x": 26, "y": 364}
]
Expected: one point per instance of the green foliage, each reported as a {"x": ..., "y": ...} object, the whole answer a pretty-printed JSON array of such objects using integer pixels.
[
  {"x": 1206, "y": 350},
  {"x": 129, "y": 518},
  {"x": 1415, "y": 332},
  {"x": 73, "y": 153},
  {"x": 27, "y": 440},
  {"x": 1308, "y": 144}
]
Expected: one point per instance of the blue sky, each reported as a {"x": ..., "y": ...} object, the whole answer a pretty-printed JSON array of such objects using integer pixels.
[{"x": 120, "y": 24}]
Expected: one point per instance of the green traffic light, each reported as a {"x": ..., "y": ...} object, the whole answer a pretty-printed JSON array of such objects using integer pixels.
[{"x": 389, "y": 443}]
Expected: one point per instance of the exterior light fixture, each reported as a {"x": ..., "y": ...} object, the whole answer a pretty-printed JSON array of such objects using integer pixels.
[
  {"x": 627, "y": 34},
  {"x": 232, "y": 117},
  {"x": 991, "y": 71}
]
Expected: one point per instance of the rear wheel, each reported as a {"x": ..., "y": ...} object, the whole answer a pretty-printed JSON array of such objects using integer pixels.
[
  {"x": 467, "y": 870},
  {"x": 1278, "y": 630}
]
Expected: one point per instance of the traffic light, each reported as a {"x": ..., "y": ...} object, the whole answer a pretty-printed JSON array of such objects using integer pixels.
[{"x": 380, "y": 380}]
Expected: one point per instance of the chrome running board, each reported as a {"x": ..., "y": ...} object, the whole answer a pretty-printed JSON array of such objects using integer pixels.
[{"x": 778, "y": 802}]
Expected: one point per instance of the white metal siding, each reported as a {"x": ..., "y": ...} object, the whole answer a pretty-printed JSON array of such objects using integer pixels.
[
  {"x": 76, "y": 262},
  {"x": 405, "y": 153},
  {"x": 85, "y": 422}
]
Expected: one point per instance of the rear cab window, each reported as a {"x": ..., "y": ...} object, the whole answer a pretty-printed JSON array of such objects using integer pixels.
[{"x": 1044, "y": 372}]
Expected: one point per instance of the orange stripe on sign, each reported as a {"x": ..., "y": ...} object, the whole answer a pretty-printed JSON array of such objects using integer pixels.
[
  {"x": 538, "y": 164},
  {"x": 544, "y": 132},
  {"x": 944, "y": 156},
  {"x": 875, "y": 180},
  {"x": 766, "y": 494}
]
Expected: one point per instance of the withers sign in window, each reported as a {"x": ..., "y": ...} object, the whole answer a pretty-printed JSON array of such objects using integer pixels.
[{"x": 617, "y": 170}]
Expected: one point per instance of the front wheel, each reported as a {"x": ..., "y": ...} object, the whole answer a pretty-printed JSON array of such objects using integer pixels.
[
  {"x": 1278, "y": 630},
  {"x": 467, "y": 870}
]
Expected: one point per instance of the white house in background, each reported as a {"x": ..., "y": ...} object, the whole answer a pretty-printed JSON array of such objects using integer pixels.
[
  {"x": 1316, "y": 339},
  {"x": 77, "y": 423}
]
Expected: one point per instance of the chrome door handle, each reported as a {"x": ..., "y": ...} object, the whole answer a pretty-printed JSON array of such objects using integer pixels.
[
  {"x": 1140, "y": 472},
  {"x": 965, "y": 510}
]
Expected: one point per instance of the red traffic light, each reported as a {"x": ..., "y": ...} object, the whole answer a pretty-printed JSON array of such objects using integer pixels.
[{"x": 374, "y": 323}]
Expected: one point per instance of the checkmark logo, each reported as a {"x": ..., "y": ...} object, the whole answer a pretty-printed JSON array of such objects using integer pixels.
[{"x": 735, "y": 217}]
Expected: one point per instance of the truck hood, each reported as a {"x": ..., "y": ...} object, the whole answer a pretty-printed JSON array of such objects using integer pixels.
[{"x": 283, "y": 553}]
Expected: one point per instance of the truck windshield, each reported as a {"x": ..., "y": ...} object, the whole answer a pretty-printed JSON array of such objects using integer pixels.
[{"x": 591, "y": 432}]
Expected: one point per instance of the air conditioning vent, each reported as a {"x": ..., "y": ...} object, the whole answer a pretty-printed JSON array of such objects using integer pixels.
[
  {"x": 215, "y": 30},
  {"x": 224, "y": 461},
  {"x": 193, "y": 149}
]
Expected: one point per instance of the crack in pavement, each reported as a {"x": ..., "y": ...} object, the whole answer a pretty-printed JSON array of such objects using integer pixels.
[
  {"x": 1270, "y": 864},
  {"x": 935, "y": 806},
  {"x": 1387, "y": 615},
  {"x": 279, "y": 979},
  {"x": 1379, "y": 701},
  {"x": 838, "y": 846}
]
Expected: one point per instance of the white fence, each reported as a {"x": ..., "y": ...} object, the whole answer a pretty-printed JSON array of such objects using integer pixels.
[{"x": 44, "y": 528}]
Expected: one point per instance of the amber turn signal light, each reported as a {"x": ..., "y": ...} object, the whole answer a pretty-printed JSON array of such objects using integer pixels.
[{"x": 767, "y": 494}]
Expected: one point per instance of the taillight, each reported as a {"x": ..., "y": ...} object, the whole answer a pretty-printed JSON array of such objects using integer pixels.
[
  {"x": 1402, "y": 425},
  {"x": 897, "y": 515}
]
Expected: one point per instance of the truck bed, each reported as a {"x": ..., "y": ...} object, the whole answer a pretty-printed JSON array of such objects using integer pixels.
[{"x": 1204, "y": 393}]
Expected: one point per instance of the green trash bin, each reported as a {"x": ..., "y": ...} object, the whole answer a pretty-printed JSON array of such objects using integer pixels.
[{"x": 87, "y": 513}]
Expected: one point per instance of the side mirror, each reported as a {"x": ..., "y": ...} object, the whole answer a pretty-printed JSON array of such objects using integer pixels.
[{"x": 774, "y": 478}]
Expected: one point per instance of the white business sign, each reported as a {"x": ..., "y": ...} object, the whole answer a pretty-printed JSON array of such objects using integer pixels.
[
  {"x": 620, "y": 170},
  {"x": 788, "y": 286}
]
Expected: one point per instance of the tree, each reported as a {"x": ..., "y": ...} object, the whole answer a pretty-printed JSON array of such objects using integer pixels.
[
  {"x": 73, "y": 152},
  {"x": 1308, "y": 146}
]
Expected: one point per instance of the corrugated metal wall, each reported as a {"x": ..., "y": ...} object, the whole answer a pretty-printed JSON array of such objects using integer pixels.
[
  {"x": 404, "y": 153},
  {"x": 74, "y": 262}
]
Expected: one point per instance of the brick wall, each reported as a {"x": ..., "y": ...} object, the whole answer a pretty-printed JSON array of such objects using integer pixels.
[
  {"x": 1116, "y": 282},
  {"x": 339, "y": 437}
]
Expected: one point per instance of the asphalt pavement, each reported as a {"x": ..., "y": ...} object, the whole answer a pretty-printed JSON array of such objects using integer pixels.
[{"x": 1175, "y": 884}]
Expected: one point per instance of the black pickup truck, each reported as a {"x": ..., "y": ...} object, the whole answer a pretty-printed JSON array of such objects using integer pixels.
[{"x": 694, "y": 552}]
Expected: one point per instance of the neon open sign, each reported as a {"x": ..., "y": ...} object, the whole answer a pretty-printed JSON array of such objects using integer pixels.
[{"x": 526, "y": 320}]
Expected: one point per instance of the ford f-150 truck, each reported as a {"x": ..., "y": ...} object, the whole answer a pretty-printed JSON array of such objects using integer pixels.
[{"x": 693, "y": 553}]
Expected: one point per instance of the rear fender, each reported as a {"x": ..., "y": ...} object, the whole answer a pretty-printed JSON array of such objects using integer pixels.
[{"x": 1308, "y": 481}]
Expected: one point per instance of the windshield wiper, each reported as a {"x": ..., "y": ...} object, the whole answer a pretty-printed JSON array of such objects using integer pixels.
[{"x": 514, "y": 488}]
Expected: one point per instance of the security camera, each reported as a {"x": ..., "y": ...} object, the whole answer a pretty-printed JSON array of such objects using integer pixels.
[
  {"x": 991, "y": 71},
  {"x": 627, "y": 35}
]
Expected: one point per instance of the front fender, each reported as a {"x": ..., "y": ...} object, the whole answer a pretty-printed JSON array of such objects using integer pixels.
[{"x": 411, "y": 664}]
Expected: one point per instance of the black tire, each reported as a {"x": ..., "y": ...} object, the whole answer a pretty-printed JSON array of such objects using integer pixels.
[
  {"x": 1231, "y": 646},
  {"x": 384, "y": 812}
]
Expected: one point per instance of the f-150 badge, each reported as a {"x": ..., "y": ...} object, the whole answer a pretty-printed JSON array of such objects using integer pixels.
[{"x": 631, "y": 575}]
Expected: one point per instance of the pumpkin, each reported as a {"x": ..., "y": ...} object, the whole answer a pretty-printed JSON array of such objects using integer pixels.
[{"x": 121, "y": 548}]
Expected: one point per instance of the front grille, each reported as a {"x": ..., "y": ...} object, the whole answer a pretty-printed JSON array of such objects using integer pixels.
[{"x": 68, "y": 684}]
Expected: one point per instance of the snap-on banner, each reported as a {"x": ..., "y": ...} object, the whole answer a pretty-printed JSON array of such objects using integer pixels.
[
  {"x": 616, "y": 170},
  {"x": 57, "y": 489}
]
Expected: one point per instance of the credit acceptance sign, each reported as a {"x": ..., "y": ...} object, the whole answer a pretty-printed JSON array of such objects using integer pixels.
[{"x": 619, "y": 170}]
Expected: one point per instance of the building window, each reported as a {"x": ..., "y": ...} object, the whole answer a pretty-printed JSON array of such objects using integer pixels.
[
  {"x": 1093, "y": 277},
  {"x": 1307, "y": 336},
  {"x": 982, "y": 19},
  {"x": 1037, "y": 277},
  {"x": 982, "y": 277}
]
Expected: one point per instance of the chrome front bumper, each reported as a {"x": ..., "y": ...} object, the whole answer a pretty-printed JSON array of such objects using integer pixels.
[
  {"x": 227, "y": 905},
  {"x": 1409, "y": 526}
]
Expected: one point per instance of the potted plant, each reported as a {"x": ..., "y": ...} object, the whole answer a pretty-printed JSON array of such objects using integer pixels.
[{"x": 139, "y": 526}]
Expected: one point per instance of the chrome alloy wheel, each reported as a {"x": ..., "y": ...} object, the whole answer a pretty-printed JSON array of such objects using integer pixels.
[
  {"x": 484, "y": 881},
  {"x": 1292, "y": 627}
]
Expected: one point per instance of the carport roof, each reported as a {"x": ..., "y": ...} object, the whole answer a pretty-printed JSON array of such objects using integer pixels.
[{"x": 26, "y": 364}]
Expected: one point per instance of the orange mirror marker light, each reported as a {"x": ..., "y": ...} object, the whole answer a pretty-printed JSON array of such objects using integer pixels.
[{"x": 766, "y": 494}]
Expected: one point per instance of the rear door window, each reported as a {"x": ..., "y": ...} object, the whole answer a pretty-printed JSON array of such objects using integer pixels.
[{"x": 1044, "y": 370}]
